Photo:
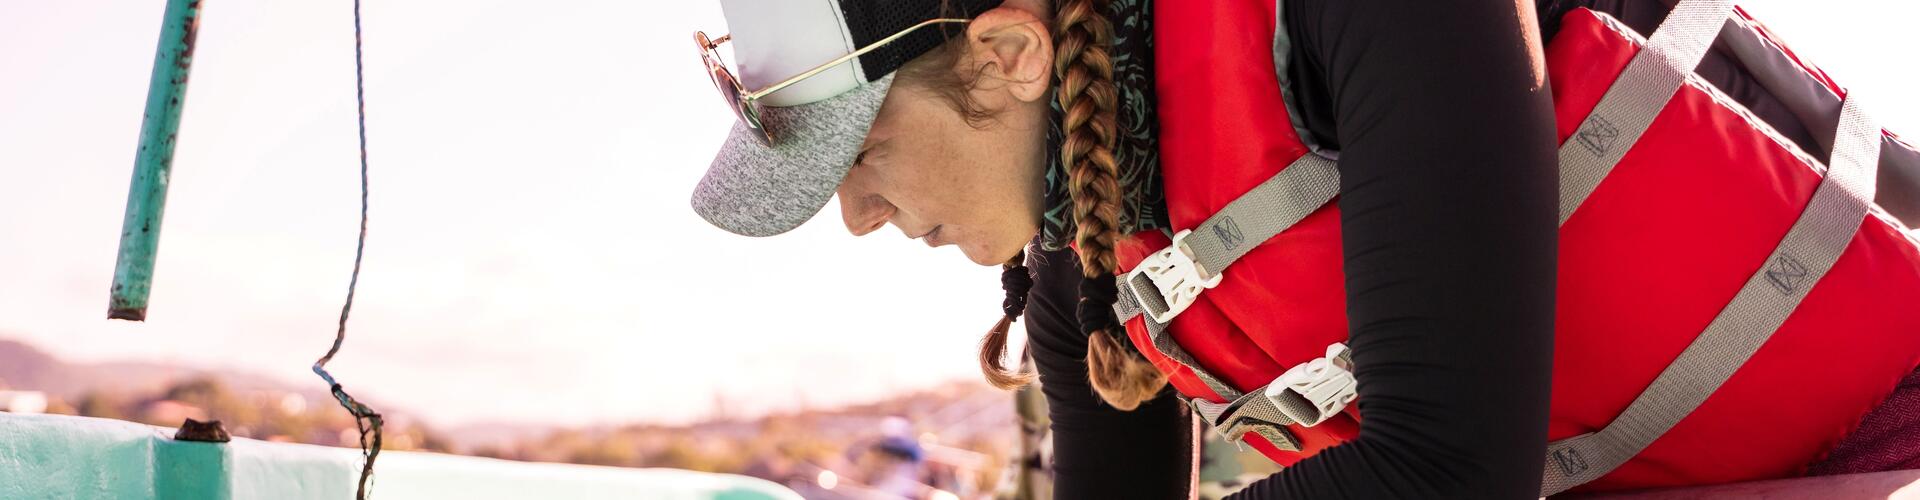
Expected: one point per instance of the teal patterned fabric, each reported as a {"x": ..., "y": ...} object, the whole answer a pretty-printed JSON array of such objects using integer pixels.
[{"x": 1138, "y": 151}]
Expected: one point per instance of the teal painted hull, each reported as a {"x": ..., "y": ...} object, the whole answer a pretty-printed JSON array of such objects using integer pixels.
[{"x": 61, "y": 457}]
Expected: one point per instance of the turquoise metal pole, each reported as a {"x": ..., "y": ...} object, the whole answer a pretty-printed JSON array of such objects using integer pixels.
[{"x": 147, "y": 198}]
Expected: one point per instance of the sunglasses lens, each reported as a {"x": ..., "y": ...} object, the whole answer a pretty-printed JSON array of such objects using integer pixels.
[
  {"x": 743, "y": 110},
  {"x": 751, "y": 116},
  {"x": 729, "y": 88}
]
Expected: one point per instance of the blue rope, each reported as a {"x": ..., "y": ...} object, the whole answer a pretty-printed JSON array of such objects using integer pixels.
[{"x": 367, "y": 420}]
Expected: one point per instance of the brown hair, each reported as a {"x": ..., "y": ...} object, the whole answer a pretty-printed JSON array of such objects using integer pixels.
[
  {"x": 1083, "y": 67},
  {"x": 936, "y": 71},
  {"x": 1088, "y": 101},
  {"x": 993, "y": 348}
]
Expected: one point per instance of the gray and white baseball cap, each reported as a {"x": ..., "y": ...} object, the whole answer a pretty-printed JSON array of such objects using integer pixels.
[{"x": 817, "y": 125}]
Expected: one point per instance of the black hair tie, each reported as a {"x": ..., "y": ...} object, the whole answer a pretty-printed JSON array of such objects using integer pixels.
[
  {"x": 1016, "y": 282},
  {"x": 1095, "y": 309}
]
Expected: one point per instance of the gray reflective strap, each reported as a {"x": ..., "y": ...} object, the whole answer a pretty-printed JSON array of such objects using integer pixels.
[
  {"x": 1642, "y": 90},
  {"x": 1128, "y": 307},
  {"x": 1809, "y": 249},
  {"x": 1307, "y": 184},
  {"x": 1269, "y": 208},
  {"x": 1266, "y": 210},
  {"x": 1254, "y": 409},
  {"x": 1251, "y": 412},
  {"x": 1245, "y": 412},
  {"x": 1276, "y": 434}
]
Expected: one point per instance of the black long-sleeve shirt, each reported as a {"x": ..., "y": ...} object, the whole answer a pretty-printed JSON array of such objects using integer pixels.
[
  {"x": 1449, "y": 202},
  {"x": 1449, "y": 219}
]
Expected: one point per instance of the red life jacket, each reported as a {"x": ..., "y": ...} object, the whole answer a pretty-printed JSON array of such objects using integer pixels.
[{"x": 1647, "y": 262}]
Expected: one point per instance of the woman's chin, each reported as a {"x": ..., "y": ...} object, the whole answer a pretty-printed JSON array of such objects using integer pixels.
[
  {"x": 978, "y": 257},
  {"x": 982, "y": 255}
]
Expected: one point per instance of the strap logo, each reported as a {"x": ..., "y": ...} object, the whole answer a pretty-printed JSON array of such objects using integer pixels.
[
  {"x": 1570, "y": 461},
  {"x": 1228, "y": 233},
  {"x": 1597, "y": 134},
  {"x": 1786, "y": 273}
]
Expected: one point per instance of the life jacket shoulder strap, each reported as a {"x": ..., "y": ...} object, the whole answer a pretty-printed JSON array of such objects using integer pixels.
[{"x": 1168, "y": 280}]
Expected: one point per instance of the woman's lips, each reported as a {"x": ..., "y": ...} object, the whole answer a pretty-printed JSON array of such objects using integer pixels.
[{"x": 932, "y": 238}]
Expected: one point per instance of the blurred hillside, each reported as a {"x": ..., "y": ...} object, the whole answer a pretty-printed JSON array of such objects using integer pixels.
[
  {"x": 956, "y": 436},
  {"x": 24, "y": 366},
  {"x": 964, "y": 432},
  {"x": 165, "y": 395}
]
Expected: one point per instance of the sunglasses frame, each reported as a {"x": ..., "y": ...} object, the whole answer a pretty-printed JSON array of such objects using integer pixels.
[{"x": 742, "y": 100}]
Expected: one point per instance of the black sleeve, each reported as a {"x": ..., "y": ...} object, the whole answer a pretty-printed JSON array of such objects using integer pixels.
[
  {"x": 1098, "y": 451},
  {"x": 1448, "y": 212}
]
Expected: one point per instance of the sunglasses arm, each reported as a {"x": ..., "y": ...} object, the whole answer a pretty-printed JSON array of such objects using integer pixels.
[{"x": 836, "y": 62}]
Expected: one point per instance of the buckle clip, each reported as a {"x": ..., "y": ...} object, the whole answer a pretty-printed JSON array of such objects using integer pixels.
[
  {"x": 1173, "y": 278},
  {"x": 1314, "y": 391}
]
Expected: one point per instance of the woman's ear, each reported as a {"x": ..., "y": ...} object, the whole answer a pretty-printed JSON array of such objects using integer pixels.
[{"x": 1012, "y": 46}]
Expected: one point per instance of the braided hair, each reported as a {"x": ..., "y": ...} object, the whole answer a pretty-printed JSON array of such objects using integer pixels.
[
  {"x": 1083, "y": 39},
  {"x": 1089, "y": 103}
]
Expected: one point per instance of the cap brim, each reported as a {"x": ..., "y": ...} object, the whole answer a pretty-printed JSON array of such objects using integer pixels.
[{"x": 756, "y": 190}]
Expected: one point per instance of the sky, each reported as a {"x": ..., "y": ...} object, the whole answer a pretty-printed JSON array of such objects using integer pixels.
[{"x": 531, "y": 257}]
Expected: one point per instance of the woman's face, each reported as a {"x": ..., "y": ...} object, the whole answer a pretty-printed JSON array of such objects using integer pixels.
[{"x": 928, "y": 171}]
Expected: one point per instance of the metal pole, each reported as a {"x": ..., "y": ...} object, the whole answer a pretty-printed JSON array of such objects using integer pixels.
[
  {"x": 1034, "y": 479},
  {"x": 147, "y": 198}
]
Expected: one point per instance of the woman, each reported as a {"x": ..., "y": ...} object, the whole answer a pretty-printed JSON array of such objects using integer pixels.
[{"x": 1041, "y": 119}]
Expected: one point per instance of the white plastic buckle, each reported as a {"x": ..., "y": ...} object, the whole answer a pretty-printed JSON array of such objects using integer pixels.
[
  {"x": 1176, "y": 280},
  {"x": 1323, "y": 385}
]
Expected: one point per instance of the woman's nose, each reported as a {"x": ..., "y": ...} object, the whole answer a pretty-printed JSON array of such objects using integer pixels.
[{"x": 864, "y": 213}]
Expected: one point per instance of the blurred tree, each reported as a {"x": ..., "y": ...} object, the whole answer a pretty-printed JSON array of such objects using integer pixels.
[
  {"x": 59, "y": 406},
  {"x": 614, "y": 452},
  {"x": 103, "y": 404}
]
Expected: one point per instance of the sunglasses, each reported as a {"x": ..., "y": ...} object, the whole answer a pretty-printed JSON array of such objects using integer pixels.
[{"x": 742, "y": 100}]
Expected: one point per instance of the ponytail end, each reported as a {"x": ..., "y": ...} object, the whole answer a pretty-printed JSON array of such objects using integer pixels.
[
  {"x": 993, "y": 350},
  {"x": 1121, "y": 378}
]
